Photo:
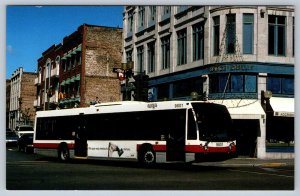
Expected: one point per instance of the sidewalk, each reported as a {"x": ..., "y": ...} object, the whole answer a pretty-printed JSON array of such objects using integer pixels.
[{"x": 250, "y": 162}]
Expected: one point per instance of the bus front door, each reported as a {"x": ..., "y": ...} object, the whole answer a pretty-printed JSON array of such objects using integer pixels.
[
  {"x": 175, "y": 148},
  {"x": 81, "y": 138}
]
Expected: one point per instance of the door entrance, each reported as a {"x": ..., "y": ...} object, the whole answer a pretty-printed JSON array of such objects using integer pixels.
[
  {"x": 246, "y": 138},
  {"x": 175, "y": 148},
  {"x": 81, "y": 137}
]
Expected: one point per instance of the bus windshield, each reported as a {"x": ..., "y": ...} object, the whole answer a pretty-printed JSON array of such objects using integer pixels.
[{"x": 214, "y": 122}]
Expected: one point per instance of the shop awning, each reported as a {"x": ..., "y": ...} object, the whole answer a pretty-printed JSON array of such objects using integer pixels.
[
  {"x": 77, "y": 77},
  {"x": 68, "y": 81},
  {"x": 243, "y": 108},
  {"x": 72, "y": 79},
  {"x": 283, "y": 107}
]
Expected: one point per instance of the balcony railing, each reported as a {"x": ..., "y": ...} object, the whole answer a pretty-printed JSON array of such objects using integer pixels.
[
  {"x": 55, "y": 72},
  {"x": 37, "y": 81},
  {"x": 54, "y": 97},
  {"x": 37, "y": 103}
]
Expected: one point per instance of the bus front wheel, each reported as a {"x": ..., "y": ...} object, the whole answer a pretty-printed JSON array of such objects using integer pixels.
[
  {"x": 63, "y": 153},
  {"x": 147, "y": 157}
]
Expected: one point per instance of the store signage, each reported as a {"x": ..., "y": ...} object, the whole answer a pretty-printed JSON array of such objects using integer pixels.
[
  {"x": 284, "y": 114},
  {"x": 228, "y": 68}
]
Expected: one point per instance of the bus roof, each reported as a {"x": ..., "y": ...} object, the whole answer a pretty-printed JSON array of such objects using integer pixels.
[{"x": 122, "y": 106}]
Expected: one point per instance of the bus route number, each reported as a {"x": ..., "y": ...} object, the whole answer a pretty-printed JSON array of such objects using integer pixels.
[{"x": 179, "y": 105}]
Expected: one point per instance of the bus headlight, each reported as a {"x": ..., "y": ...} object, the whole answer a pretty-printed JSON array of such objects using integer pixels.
[{"x": 231, "y": 146}]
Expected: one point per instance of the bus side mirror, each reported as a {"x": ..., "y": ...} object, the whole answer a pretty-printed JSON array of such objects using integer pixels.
[
  {"x": 162, "y": 137},
  {"x": 73, "y": 133}
]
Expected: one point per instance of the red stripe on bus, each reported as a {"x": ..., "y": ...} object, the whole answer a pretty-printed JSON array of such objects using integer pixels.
[
  {"x": 156, "y": 148},
  {"x": 159, "y": 148},
  {"x": 50, "y": 145},
  {"x": 201, "y": 149},
  {"x": 195, "y": 149}
]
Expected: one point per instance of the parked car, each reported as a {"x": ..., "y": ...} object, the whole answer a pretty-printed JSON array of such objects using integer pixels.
[
  {"x": 22, "y": 129},
  {"x": 25, "y": 142},
  {"x": 11, "y": 138}
]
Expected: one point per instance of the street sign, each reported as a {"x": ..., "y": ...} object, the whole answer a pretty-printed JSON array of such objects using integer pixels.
[{"x": 118, "y": 70}]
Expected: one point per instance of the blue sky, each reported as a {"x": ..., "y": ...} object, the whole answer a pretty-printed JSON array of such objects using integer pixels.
[{"x": 30, "y": 30}]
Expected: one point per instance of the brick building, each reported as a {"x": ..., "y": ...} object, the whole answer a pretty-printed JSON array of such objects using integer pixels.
[
  {"x": 22, "y": 94},
  {"x": 75, "y": 72}
]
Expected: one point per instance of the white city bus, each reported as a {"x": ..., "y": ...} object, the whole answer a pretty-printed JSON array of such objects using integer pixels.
[{"x": 150, "y": 132}]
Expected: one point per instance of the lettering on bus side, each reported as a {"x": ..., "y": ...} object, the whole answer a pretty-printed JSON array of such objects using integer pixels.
[
  {"x": 152, "y": 105},
  {"x": 178, "y": 105}
]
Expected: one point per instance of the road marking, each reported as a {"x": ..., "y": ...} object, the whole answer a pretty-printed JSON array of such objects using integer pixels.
[
  {"x": 25, "y": 162},
  {"x": 259, "y": 173},
  {"x": 273, "y": 164}
]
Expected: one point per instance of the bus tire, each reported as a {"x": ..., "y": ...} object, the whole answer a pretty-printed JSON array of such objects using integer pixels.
[
  {"x": 63, "y": 153},
  {"x": 147, "y": 157}
]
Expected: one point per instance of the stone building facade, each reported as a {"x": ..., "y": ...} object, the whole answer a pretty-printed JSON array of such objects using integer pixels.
[
  {"x": 7, "y": 102},
  {"x": 22, "y": 95},
  {"x": 239, "y": 56},
  {"x": 79, "y": 70}
]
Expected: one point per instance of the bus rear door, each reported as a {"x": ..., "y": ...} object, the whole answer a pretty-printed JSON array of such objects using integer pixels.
[{"x": 81, "y": 137}]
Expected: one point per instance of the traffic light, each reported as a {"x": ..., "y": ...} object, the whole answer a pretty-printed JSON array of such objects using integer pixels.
[{"x": 141, "y": 87}]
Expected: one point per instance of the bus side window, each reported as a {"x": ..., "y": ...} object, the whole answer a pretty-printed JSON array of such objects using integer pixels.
[{"x": 192, "y": 126}]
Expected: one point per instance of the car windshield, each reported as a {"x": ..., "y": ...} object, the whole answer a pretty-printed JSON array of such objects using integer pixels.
[{"x": 214, "y": 122}]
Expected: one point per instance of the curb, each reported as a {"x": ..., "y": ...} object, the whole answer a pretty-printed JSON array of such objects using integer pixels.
[{"x": 271, "y": 164}]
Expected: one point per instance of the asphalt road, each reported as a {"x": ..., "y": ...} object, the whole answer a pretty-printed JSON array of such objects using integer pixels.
[{"x": 32, "y": 172}]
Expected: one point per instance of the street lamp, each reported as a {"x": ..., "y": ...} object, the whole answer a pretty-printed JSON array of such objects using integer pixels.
[{"x": 265, "y": 99}]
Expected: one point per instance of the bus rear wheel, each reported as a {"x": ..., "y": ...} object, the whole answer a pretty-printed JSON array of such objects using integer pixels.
[
  {"x": 147, "y": 157},
  {"x": 63, "y": 153}
]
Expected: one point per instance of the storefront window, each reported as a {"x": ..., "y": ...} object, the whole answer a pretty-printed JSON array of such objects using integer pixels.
[
  {"x": 280, "y": 85},
  {"x": 234, "y": 83},
  {"x": 237, "y": 83},
  {"x": 250, "y": 83},
  {"x": 184, "y": 88},
  {"x": 163, "y": 91}
]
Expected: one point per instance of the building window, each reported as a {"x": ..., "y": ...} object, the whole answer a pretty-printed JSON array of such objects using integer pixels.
[
  {"x": 293, "y": 36},
  {"x": 166, "y": 10},
  {"x": 230, "y": 34},
  {"x": 151, "y": 57},
  {"x": 57, "y": 62},
  {"x": 181, "y": 47},
  {"x": 216, "y": 35},
  {"x": 182, "y": 8},
  {"x": 248, "y": 26},
  {"x": 165, "y": 52},
  {"x": 280, "y": 85},
  {"x": 140, "y": 59},
  {"x": 129, "y": 56},
  {"x": 48, "y": 71},
  {"x": 184, "y": 88},
  {"x": 152, "y": 14},
  {"x": 130, "y": 21},
  {"x": 198, "y": 41},
  {"x": 276, "y": 35},
  {"x": 233, "y": 83},
  {"x": 78, "y": 57},
  {"x": 141, "y": 16}
]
